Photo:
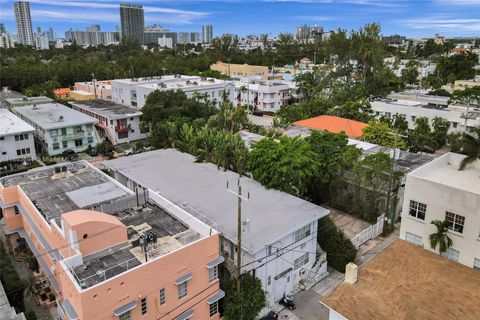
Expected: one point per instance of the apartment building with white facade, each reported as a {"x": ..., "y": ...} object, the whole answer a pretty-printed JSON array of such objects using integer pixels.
[
  {"x": 279, "y": 231},
  {"x": 460, "y": 118},
  {"x": 439, "y": 191},
  {"x": 263, "y": 95},
  {"x": 60, "y": 128},
  {"x": 116, "y": 122},
  {"x": 16, "y": 138},
  {"x": 133, "y": 92}
]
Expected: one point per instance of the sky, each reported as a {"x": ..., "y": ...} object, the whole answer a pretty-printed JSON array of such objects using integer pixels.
[{"x": 412, "y": 18}]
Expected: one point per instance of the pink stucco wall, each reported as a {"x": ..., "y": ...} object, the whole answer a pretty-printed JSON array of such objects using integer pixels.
[{"x": 146, "y": 280}]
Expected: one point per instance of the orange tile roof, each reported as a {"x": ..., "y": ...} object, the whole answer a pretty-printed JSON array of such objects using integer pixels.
[
  {"x": 334, "y": 124},
  {"x": 61, "y": 91}
]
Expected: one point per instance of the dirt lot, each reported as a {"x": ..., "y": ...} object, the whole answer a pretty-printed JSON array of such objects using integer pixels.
[{"x": 408, "y": 282}]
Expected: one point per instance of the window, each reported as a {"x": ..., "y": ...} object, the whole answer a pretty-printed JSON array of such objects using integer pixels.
[
  {"x": 124, "y": 316},
  {"x": 90, "y": 140},
  {"x": 53, "y": 133},
  {"x": 78, "y": 142},
  {"x": 143, "y": 304},
  {"x": 25, "y": 136},
  {"x": 56, "y": 146},
  {"x": 16, "y": 210},
  {"x": 123, "y": 135},
  {"x": 269, "y": 280},
  {"x": 163, "y": 297},
  {"x": 455, "y": 222},
  {"x": 413, "y": 238},
  {"x": 213, "y": 273},
  {"x": 64, "y": 131},
  {"x": 413, "y": 118},
  {"x": 451, "y": 254},
  {"x": 27, "y": 150},
  {"x": 302, "y": 233},
  {"x": 2, "y": 138},
  {"x": 23, "y": 151},
  {"x": 19, "y": 152},
  {"x": 182, "y": 290},
  {"x": 417, "y": 209},
  {"x": 213, "y": 308},
  {"x": 300, "y": 261},
  {"x": 65, "y": 144},
  {"x": 476, "y": 264}
]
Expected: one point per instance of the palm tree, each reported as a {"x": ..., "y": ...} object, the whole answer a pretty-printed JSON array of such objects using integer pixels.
[
  {"x": 440, "y": 237},
  {"x": 470, "y": 147}
]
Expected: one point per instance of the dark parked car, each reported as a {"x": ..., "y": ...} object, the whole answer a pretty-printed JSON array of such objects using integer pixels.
[{"x": 70, "y": 155}]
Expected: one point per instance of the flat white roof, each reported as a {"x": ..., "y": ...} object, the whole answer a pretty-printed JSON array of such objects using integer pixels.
[
  {"x": 201, "y": 188},
  {"x": 444, "y": 170},
  {"x": 108, "y": 109},
  {"x": 11, "y": 124},
  {"x": 145, "y": 80},
  {"x": 185, "y": 84},
  {"x": 47, "y": 115}
]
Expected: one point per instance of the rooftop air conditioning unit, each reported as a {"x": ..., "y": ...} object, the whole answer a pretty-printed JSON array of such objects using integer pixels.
[{"x": 60, "y": 119}]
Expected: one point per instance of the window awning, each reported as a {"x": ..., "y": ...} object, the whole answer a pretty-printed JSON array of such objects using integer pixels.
[
  {"x": 183, "y": 279},
  {"x": 125, "y": 308},
  {"x": 185, "y": 315},
  {"x": 215, "y": 262},
  {"x": 217, "y": 296},
  {"x": 283, "y": 273}
]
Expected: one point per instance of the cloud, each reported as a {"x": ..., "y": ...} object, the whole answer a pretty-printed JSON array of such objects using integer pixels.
[
  {"x": 443, "y": 23},
  {"x": 315, "y": 18},
  {"x": 459, "y": 2}
]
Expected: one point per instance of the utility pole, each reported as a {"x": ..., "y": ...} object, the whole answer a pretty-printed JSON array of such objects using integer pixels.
[
  {"x": 315, "y": 58},
  {"x": 238, "y": 193},
  {"x": 273, "y": 69},
  {"x": 94, "y": 85}
]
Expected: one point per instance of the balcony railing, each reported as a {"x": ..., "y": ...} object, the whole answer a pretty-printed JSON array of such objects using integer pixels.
[
  {"x": 71, "y": 136},
  {"x": 120, "y": 128}
]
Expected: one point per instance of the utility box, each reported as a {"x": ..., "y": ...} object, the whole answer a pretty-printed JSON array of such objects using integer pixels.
[{"x": 351, "y": 273}]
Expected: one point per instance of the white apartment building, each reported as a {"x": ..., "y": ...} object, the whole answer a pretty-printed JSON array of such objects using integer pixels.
[
  {"x": 459, "y": 117},
  {"x": 16, "y": 138},
  {"x": 116, "y": 122},
  {"x": 60, "y": 128},
  {"x": 41, "y": 41},
  {"x": 279, "y": 231},
  {"x": 264, "y": 95},
  {"x": 133, "y": 92},
  {"x": 24, "y": 23},
  {"x": 439, "y": 191},
  {"x": 424, "y": 67},
  {"x": 6, "y": 41}
]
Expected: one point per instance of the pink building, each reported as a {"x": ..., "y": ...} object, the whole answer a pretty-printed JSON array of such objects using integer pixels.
[
  {"x": 108, "y": 252},
  {"x": 102, "y": 89}
]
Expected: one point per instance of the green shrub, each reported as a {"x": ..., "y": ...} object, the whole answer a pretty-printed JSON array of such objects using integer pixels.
[
  {"x": 12, "y": 283},
  {"x": 340, "y": 250}
]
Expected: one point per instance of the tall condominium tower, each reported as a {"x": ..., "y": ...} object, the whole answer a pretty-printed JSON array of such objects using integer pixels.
[
  {"x": 207, "y": 33},
  {"x": 132, "y": 21},
  {"x": 24, "y": 22}
]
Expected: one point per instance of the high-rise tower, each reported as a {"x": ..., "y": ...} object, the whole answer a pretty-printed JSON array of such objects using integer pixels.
[{"x": 24, "y": 22}]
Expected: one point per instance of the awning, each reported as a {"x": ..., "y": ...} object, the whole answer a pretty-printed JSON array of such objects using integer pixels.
[
  {"x": 217, "y": 296},
  {"x": 185, "y": 315},
  {"x": 67, "y": 306},
  {"x": 183, "y": 279},
  {"x": 125, "y": 308},
  {"x": 215, "y": 262},
  {"x": 283, "y": 273}
]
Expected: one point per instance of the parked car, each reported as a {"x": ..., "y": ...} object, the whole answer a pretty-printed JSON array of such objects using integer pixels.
[{"x": 70, "y": 155}]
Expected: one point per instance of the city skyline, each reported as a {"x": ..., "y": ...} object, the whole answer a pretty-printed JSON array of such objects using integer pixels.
[{"x": 447, "y": 17}]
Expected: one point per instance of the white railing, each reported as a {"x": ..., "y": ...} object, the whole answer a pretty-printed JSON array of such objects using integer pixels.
[{"x": 370, "y": 232}]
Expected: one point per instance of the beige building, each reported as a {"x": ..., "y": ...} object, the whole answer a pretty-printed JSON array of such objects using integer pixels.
[
  {"x": 240, "y": 70},
  {"x": 462, "y": 84}
]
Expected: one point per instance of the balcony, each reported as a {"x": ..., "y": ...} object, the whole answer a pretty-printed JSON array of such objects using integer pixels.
[
  {"x": 120, "y": 128},
  {"x": 72, "y": 136}
]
